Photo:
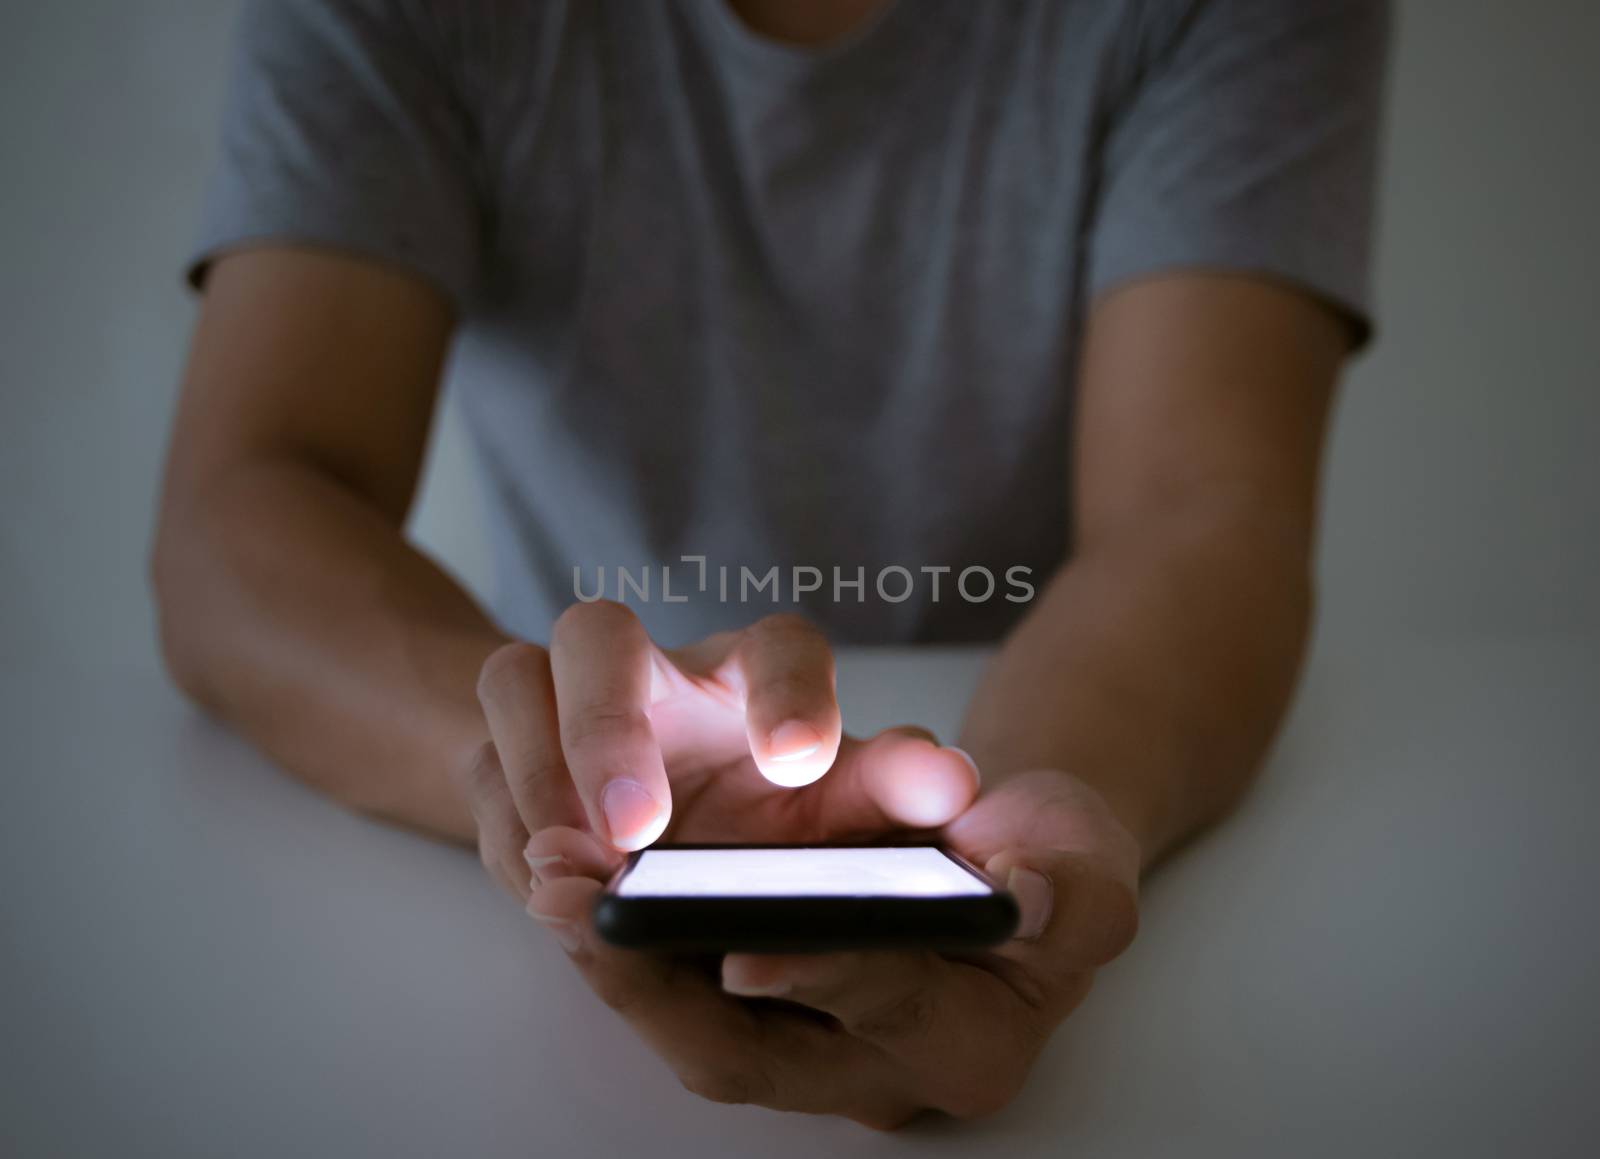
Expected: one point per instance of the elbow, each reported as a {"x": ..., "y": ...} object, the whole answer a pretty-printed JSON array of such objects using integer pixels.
[
  {"x": 1286, "y": 639},
  {"x": 172, "y": 580}
]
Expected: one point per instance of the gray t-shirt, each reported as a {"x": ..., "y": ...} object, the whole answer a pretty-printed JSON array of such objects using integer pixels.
[{"x": 779, "y": 307}]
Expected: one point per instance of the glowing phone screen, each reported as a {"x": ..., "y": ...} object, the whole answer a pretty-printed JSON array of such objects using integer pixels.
[{"x": 915, "y": 871}]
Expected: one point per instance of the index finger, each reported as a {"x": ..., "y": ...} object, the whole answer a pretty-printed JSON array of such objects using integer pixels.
[{"x": 603, "y": 663}]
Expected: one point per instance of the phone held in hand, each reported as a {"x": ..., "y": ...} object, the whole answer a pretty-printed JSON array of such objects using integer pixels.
[{"x": 802, "y": 899}]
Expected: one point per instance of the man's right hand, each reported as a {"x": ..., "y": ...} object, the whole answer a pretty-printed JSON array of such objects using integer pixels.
[{"x": 736, "y": 738}]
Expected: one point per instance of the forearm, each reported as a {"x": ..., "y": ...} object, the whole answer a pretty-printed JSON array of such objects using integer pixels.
[
  {"x": 1156, "y": 668},
  {"x": 298, "y": 613}
]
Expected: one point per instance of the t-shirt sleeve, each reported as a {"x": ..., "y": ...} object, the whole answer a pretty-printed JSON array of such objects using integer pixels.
[
  {"x": 1248, "y": 143},
  {"x": 344, "y": 129}
]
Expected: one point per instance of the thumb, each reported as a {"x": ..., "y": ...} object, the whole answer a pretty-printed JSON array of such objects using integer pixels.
[
  {"x": 1072, "y": 912},
  {"x": 1071, "y": 865}
]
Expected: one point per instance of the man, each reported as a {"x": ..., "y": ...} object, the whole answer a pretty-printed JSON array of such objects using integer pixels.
[{"x": 1039, "y": 288}]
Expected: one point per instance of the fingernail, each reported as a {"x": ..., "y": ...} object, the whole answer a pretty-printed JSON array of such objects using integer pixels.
[
  {"x": 1035, "y": 898},
  {"x": 633, "y": 815},
  {"x": 977, "y": 773},
  {"x": 537, "y": 863},
  {"x": 746, "y": 990},
  {"x": 793, "y": 740},
  {"x": 565, "y": 933}
]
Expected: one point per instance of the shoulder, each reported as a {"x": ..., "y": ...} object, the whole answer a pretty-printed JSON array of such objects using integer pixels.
[
  {"x": 1163, "y": 26},
  {"x": 472, "y": 63},
  {"x": 471, "y": 40}
]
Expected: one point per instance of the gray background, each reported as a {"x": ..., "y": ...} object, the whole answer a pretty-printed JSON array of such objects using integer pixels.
[{"x": 1464, "y": 488}]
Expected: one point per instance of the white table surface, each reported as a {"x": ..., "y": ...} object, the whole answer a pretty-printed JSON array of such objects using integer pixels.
[{"x": 1390, "y": 950}]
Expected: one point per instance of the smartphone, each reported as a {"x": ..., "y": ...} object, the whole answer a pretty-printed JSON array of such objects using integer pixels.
[{"x": 802, "y": 899}]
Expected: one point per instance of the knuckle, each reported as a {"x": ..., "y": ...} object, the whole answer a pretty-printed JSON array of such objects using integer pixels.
[
  {"x": 616, "y": 993},
  {"x": 482, "y": 768},
  {"x": 599, "y": 615},
  {"x": 500, "y": 856},
  {"x": 991, "y": 1081},
  {"x": 501, "y": 873},
  {"x": 500, "y": 830},
  {"x": 720, "y": 643},
  {"x": 500, "y": 835},
  {"x": 983, "y": 1095},
  {"x": 537, "y": 766},
  {"x": 1102, "y": 921},
  {"x": 510, "y": 665},
  {"x": 1119, "y": 920},
  {"x": 789, "y": 637},
  {"x": 716, "y": 1084},
  {"x": 912, "y": 732},
  {"x": 888, "y": 1116},
  {"x": 785, "y": 626},
  {"x": 788, "y": 688},
  {"x": 604, "y": 724},
  {"x": 905, "y": 1015}
]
